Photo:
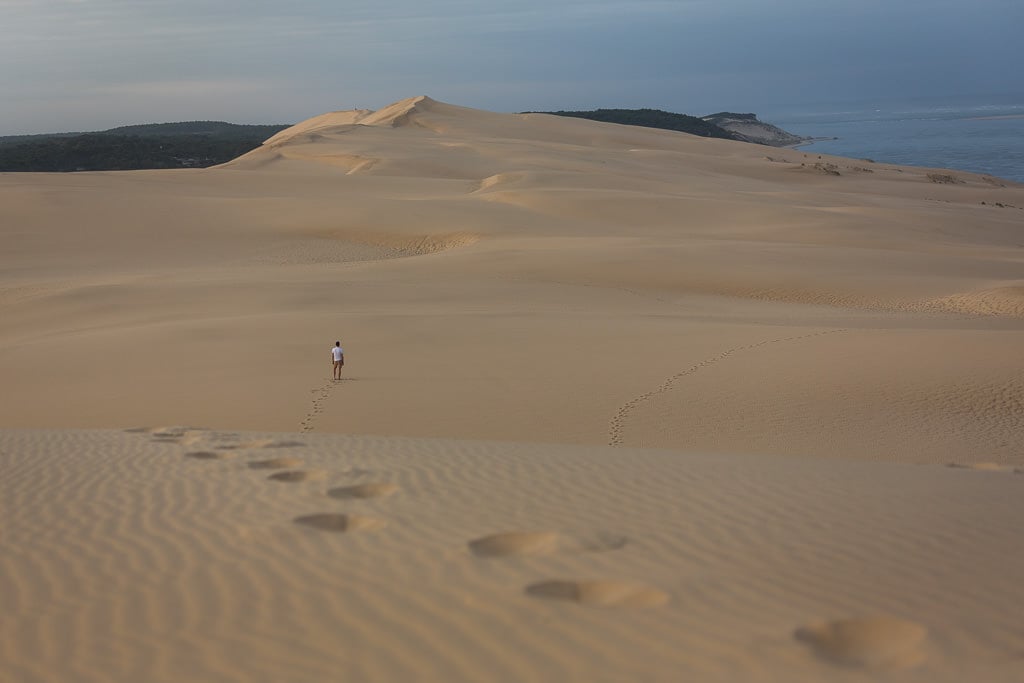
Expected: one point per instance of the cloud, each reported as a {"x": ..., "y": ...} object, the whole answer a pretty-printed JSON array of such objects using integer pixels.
[
  {"x": 186, "y": 88},
  {"x": 300, "y": 58}
]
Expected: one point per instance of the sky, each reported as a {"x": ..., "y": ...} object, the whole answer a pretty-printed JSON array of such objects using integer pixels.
[{"x": 75, "y": 65}]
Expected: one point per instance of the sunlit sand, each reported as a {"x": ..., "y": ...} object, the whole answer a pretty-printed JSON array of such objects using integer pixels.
[{"x": 644, "y": 406}]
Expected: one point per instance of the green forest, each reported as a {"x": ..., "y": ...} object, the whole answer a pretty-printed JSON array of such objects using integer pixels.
[
  {"x": 194, "y": 144},
  {"x": 652, "y": 118}
]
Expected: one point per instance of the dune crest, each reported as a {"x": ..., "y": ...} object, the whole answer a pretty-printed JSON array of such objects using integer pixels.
[
  {"x": 322, "y": 123},
  {"x": 395, "y": 115},
  {"x": 401, "y": 113}
]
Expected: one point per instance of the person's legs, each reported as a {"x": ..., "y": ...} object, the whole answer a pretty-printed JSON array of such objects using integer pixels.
[{"x": 337, "y": 369}]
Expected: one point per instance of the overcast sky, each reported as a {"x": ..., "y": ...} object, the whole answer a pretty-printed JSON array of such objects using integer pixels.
[{"x": 94, "y": 64}]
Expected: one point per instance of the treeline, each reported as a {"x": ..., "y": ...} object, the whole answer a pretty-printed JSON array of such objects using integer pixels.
[
  {"x": 193, "y": 144},
  {"x": 727, "y": 115},
  {"x": 217, "y": 129},
  {"x": 652, "y": 118}
]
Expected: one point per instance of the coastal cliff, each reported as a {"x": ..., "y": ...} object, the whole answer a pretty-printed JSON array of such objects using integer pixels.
[{"x": 748, "y": 128}]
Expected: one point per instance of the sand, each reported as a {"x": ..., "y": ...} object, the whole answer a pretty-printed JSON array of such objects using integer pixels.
[
  {"x": 456, "y": 560},
  {"x": 649, "y": 407}
]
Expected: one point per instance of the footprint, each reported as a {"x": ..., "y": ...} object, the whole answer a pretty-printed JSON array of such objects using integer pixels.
[
  {"x": 209, "y": 455},
  {"x": 295, "y": 476},
  {"x": 176, "y": 432},
  {"x": 173, "y": 434},
  {"x": 542, "y": 543},
  {"x": 599, "y": 592},
  {"x": 219, "y": 440},
  {"x": 594, "y": 543},
  {"x": 982, "y": 466},
  {"x": 355, "y": 472},
  {"x": 877, "y": 643},
  {"x": 339, "y": 523},
  {"x": 375, "y": 490},
  {"x": 271, "y": 443},
  {"x": 275, "y": 464},
  {"x": 515, "y": 543}
]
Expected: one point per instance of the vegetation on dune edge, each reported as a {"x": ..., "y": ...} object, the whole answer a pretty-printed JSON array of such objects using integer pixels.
[
  {"x": 652, "y": 118},
  {"x": 193, "y": 144}
]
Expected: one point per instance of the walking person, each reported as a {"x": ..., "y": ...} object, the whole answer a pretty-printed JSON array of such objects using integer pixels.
[{"x": 338, "y": 357}]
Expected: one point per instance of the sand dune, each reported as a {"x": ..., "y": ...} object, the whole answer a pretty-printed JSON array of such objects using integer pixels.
[
  {"x": 127, "y": 560},
  {"x": 831, "y": 347},
  {"x": 562, "y": 267}
]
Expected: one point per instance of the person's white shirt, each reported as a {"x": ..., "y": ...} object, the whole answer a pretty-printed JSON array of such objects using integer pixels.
[{"x": 338, "y": 352}]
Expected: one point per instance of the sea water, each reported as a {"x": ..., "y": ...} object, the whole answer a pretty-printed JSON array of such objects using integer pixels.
[{"x": 982, "y": 137}]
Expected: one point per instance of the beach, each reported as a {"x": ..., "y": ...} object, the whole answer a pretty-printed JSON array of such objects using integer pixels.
[{"x": 618, "y": 404}]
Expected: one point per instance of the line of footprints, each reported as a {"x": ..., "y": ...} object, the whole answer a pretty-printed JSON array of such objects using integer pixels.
[
  {"x": 320, "y": 394},
  {"x": 617, "y": 425},
  {"x": 878, "y": 643}
]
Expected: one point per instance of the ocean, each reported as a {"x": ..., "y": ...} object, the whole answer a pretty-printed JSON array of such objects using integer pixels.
[{"x": 979, "y": 137}]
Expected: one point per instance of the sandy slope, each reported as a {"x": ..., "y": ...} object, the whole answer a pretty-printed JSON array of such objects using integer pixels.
[
  {"x": 523, "y": 276},
  {"x": 172, "y": 555},
  {"x": 516, "y": 279}
]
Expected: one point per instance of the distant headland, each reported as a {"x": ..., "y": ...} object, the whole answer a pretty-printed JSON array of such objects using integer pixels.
[
  {"x": 724, "y": 125},
  {"x": 748, "y": 128}
]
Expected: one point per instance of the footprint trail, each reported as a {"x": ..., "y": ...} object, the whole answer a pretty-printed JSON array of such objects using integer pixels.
[
  {"x": 320, "y": 395},
  {"x": 618, "y": 421}
]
